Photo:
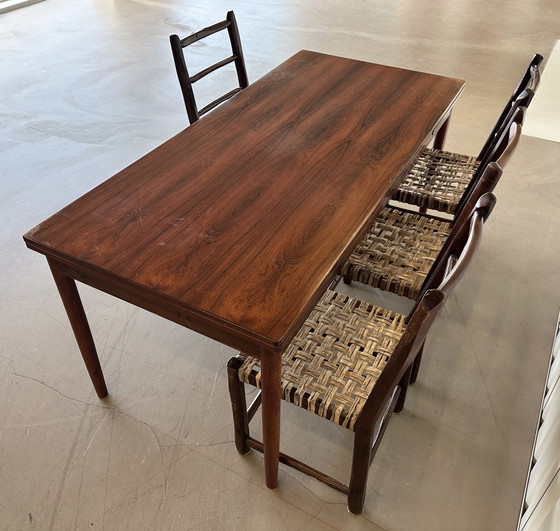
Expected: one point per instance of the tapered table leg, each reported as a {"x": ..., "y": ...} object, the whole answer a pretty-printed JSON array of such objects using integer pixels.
[
  {"x": 441, "y": 134},
  {"x": 270, "y": 374},
  {"x": 77, "y": 317}
]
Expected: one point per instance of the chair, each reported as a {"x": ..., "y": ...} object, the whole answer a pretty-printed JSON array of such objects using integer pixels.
[
  {"x": 186, "y": 80},
  {"x": 440, "y": 179},
  {"x": 402, "y": 250},
  {"x": 350, "y": 363}
]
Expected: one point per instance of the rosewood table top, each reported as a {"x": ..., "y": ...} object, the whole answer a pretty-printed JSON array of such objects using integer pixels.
[{"x": 238, "y": 223}]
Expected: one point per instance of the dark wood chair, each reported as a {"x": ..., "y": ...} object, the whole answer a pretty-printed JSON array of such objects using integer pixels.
[
  {"x": 403, "y": 248},
  {"x": 186, "y": 80},
  {"x": 529, "y": 81},
  {"x": 404, "y": 252},
  {"x": 439, "y": 179},
  {"x": 350, "y": 363}
]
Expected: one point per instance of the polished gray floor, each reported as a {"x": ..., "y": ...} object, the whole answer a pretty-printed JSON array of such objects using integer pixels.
[{"x": 87, "y": 87}]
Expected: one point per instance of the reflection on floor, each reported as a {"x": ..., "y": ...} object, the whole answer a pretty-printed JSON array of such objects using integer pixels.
[
  {"x": 87, "y": 88},
  {"x": 9, "y": 5}
]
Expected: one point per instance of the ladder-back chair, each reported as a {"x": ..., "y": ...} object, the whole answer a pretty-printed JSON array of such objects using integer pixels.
[
  {"x": 403, "y": 248},
  {"x": 186, "y": 80},
  {"x": 439, "y": 179}
]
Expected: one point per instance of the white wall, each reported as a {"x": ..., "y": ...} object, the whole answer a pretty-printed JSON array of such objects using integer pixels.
[{"x": 542, "y": 498}]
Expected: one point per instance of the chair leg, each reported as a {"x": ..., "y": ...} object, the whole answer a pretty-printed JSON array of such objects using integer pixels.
[
  {"x": 361, "y": 459},
  {"x": 366, "y": 443},
  {"x": 403, "y": 384},
  {"x": 346, "y": 274},
  {"x": 239, "y": 406},
  {"x": 416, "y": 365}
]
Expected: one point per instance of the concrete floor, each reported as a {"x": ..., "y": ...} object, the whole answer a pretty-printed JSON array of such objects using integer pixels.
[{"x": 87, "y": 88}]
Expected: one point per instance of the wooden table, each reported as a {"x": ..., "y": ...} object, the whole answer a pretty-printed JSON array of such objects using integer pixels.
[{"x": 235, "y": 226}]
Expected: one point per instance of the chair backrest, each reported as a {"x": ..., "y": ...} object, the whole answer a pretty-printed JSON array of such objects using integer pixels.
[
  {"x": 460, "y": 240},
  {"x": 502, "y": 151},
  {"x": 186, "y": 81},
  {"x": 507, "y": 142},
  {"x": 519, "y": 98},
  {"x": 522, "y": 102},
  {"x": 463, "y": 244},
  {"x": 470, "y": 204},
  {"x": 531, "y": 78},
  {"x": 424, "y": 314},
  {"x": 420, "y": 322}
]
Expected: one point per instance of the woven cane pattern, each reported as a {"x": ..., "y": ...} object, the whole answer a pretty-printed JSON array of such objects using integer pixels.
[
  {"x": 438, "y": 180},
  {"x": 398, "y": 252},
  {"x": 331, "y": 366}
]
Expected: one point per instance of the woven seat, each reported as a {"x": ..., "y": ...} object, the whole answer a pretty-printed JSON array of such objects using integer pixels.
[
  {"x": 440, "y": 180},
  {"x": 186, "y": 81},
  {"x": 398, "y": 252},
  {"x": 351, "y": 363},
  {"x": 333, "y": 363},
  {"x": 402, "y": 250}
]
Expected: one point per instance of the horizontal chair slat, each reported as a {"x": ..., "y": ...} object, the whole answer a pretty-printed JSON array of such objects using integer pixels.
[
  {"x": 213, "y": 67},
  {"x": 205, "y": 32},
  {"x": 217, "y": 102},
  {"x": 302, "y": 467}
]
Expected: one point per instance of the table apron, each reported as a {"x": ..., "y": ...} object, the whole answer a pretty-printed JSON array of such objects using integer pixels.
[{"x": 162, "y": 307}]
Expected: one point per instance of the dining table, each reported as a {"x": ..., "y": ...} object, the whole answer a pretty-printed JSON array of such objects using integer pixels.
[{"x": 236, "y": 225}]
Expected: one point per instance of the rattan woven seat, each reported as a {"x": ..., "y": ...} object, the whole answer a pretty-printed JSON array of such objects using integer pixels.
[
  {"x": 402, "y": 249},
  {"x": 398, "y": 252},
  {"x": 439, "y": 180},
  {"x": 333, "y": 363}
]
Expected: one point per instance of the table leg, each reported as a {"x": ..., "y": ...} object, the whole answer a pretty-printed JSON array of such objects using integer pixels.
[
  {"x": 441, "y": 134},
  {"x": 77, "y": 317},
  {"x": 271, "y": 363}
]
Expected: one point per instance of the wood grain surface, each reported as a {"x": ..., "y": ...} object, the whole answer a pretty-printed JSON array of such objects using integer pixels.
[{"x": 236, "y": 225}]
